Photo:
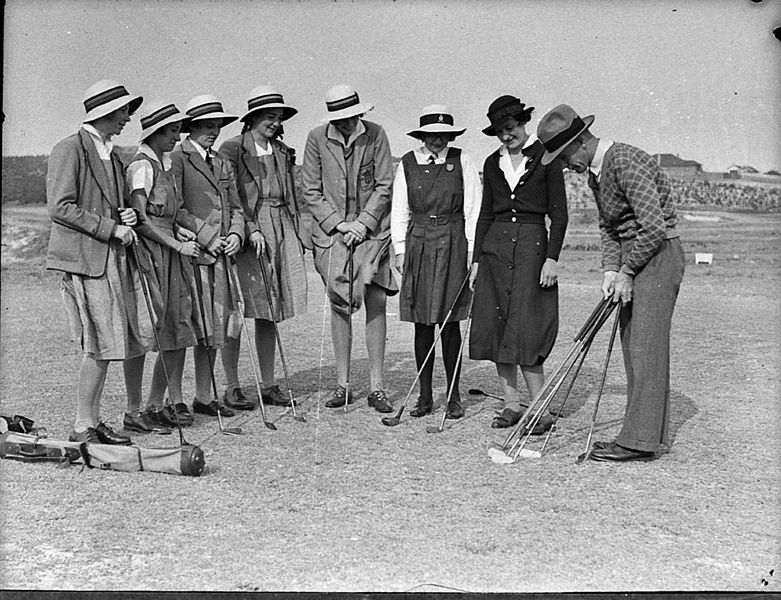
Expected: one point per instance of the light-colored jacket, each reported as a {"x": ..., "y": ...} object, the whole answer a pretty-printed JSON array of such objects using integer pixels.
[
  {"x": 325, "y": 179},
  {"x": 211, "y": 200},
  {"x": 82, "y": 206}
]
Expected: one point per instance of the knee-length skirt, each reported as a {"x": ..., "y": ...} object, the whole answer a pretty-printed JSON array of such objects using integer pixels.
[{"x": 515, "y": 320}]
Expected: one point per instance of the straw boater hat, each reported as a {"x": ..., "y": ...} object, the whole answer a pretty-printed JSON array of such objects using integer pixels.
[
  {"x": 436, "y": 118},
  {"x": 506, "y": 106},
  {"x": 106, "y": 96},
  {"x": 157, "y": 114},
  {"x": 342, "y": 102},
  {"x": 264, "y": 97},
  {"x": 205, "y": 107},
  {"x": 558, "y": 128}
]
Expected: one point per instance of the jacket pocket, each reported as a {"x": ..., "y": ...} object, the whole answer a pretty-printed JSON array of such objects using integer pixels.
[{"x": 366, "y": 177}]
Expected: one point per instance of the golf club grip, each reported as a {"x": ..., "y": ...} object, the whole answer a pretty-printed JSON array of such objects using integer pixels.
[
  {"x": 590, "y": 321},
  {"x": 601, "y": 322}
]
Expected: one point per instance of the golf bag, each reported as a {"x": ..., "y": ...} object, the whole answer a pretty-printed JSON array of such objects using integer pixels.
[{"x": 187, "y": 460}]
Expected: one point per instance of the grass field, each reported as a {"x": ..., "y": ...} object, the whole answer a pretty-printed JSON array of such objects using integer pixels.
[{"x": 344, "y": 503}]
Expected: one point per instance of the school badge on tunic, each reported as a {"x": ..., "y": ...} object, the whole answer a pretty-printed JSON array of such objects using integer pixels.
[{"x": 450, "y": 167}]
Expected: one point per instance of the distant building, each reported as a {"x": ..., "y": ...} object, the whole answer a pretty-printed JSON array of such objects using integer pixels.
[
  {"x": 738, "y": 171},
  {"x": 678, "y": 168}
]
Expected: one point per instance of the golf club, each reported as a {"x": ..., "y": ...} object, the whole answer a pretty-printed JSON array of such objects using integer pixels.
[
  {"x": 273, "y": 313},
  {"x": 396, "y": 419},
  {"x": 199, "y": 289},
  {"x": 233, "y": 280},
  {"x": 587, "y": 452},
  {"x": 441, "y": 427},
  {"x": 479, "y": 392},
  {"x": 350, "y": 291},
  {"x": 153, "y": 319}
]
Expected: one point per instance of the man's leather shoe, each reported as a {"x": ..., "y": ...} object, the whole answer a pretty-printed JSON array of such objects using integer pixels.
[
  {"x": 423, "y": 407},
  {"x": 378, "y": 399},
  {"x": 106, "y": 435},
  {"x": 236, "y": 399},
  {"x": 89, "y": 435},
  {"x": 212, "y": 408},
  {"x": 166, "y": 417},
  {"x": 615, "y": 453},
  {"x": 143, "y": 423},
  {"x": 338, "y": 398},
  {"x": 274, "y": 396},
  {"x": 454, "y": 410}
]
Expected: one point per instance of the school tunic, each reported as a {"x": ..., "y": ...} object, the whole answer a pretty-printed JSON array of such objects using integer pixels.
[
  {"x": 435, "y": 253},
  {"x": 212, "y": 209},
  {"x": 515, "y": 320},
  {"x": 267, "y": 193},
  {"x": 170, "y": 275},
  {"x": 101, "y": 290}
]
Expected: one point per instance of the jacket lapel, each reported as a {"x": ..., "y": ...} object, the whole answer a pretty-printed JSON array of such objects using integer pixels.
[
  {"x": 280, "y": 160},
  {"x": 96, "y": 165},
  {"x": 199, "y": 163},
  {"x": 336, "y": 149}
]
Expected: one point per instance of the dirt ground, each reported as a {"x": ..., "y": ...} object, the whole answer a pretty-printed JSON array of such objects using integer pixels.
[{"x": 343, "y": 503}]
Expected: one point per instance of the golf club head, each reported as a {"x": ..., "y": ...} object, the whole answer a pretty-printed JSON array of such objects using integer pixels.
[
  {"x": 390, "y": 421},
  {"x": 581, "y": 458},
  {"x": 498, "y": 456},
  {"x": 270, "y": 425},
  {"x": 231, "y": 431},
  {"x": 432, "y": 429},
  {"x": 300, "y": 418},
  {"x": 526, "y": 453}
]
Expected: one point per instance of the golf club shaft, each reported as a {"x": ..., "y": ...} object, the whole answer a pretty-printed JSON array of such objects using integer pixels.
[
  {"x": 458, "y": 363},
  {"x": 602, "y": 383},
  {"x": 350, "y": 292},
  {"x": 273, "y": 313},
  {"x": 595, "y": 314},
  {"x": 153, "y": 319}
]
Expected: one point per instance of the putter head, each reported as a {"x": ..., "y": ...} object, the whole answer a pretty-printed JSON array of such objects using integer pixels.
[
  {"x": 300, "y": 418},
  {"x": 498, "y": 456},
  {"x": 432, "y": 429},
  {"x": 581, "y": 458},
  {"x": 526, "y": 453},
  {"x": 390, "y": 421},
  {"x": 270, "y": 425},
  {"x": 231, "y": 431},
  {"x": 476, "y": 392}
]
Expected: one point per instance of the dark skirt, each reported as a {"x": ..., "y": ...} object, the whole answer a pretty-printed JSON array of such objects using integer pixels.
[
  {"x": 514, "y": 320},
  {"x": 434, "y": 269}
]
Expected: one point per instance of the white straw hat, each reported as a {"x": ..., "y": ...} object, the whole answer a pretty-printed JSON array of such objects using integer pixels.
[
  {"x": 106, "y": 96},
  {"x": 342, "y": 102},
  {"x": 266, "y": 96},
  {"x": 157, "y": 114},
  {"x": 436, "y": 118},
  {"x": 204, "y": 107}
]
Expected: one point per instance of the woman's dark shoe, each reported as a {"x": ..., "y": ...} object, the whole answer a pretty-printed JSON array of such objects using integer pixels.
[
  {"x": 212, "y": 408},
  {"x": 338, "y": 398},
  {"x": 378, "y": 400},
  {"x": 612, "y": 452},
  {"x": 89, "y": 435},
  {"x": 423, "y": 407},
  {"x": 236, "y": 399},
  {"x": 274, "y": 396},
  {"x": 143, "y": 423},
  {"x": 106, "y": 435},
  {"x": 544, "y": 423},
  {"x": 507, "y": 418},
  {"x": 454, "y": 410},
  {"x": 185, "y": 416}
]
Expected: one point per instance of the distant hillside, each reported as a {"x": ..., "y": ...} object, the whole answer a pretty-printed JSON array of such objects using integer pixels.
[{"x": 24, "y": 179}]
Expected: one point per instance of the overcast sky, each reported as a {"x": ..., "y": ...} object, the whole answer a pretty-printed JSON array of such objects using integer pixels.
[{"x": 698, "y": 78}]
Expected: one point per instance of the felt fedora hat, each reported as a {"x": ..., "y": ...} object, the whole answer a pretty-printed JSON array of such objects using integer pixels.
[
  {"x": 436, "y": 118},
  {"x": 506, "y": 106},
  {"x": 558, "y": 128},
  {"x": 106, "y": 96},
  {"x": 266, "y": 96},
  {"x": 157, "y": 114},
  {"x": 204, "y": 107},
  {"x": 342, "y": 102}
]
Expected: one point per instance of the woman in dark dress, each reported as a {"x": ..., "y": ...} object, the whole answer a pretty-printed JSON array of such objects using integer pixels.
[
  {"x": 436, "y": 201},
  {"x": 514, "y": 275}
]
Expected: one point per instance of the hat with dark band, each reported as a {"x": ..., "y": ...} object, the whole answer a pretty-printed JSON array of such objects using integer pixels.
[
  {"x": 106, "y": 96},
  {"x": 506, "y": 106},
  {"x": 342, "y": 102},
  {"x": 436, "y": 118},
  {"x": 265, "y": 97},
  {"x": 158, "y": 114},
  {"x": 558, "y": 128},
  {"x": 205, "y": 107}
]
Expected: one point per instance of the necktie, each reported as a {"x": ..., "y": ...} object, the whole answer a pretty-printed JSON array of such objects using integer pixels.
[
  {"x": 210, "y": 162},
  {"x": 593, "y": 184},
  {"x": 431, "y": 159}
]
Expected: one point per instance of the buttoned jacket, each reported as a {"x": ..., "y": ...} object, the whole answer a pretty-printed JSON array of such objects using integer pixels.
[
  {"x": 241, "y": 153},
  {"x": 325, "y": 177},
  {"x": 209, "y": 195},
  {"x": 82, "y": 205}
]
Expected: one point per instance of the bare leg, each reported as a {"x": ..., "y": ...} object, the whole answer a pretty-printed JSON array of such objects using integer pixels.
[
  {"x": 265, "y": 342},
  {"x": 229, "y": 354},
  {"x": 508, "y": 374},
  {"x": 174, "y": 365},
  {"x": 92, "y": 375},
  {"x": 376, "y": 327},
  {"x": 535, "y": 379},
  {"x": 133, "y": 369}
]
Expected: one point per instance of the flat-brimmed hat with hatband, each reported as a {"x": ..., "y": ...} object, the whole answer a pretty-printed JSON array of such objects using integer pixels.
[
  {"x": 205, "y": 107},
  {"x": 435, "y": 118},
  {"x": 342, "y": 102},
  {"x": 265, "y": 97},
  {"x": 157, "y": 114},
  {"x": 106, "y": 96},
  {"x": 558, "y": 128},
  {"x": 506, "y": 106}
]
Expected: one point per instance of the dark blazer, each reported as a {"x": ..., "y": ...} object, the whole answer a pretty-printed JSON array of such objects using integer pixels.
[
  {"x": 539, "y": 192},
  {"x": 82, "y": 206},
  {"x": 325, "y": 179},
  {"x": 210, "y": 197},
  {"x": 238, "y": 150}
]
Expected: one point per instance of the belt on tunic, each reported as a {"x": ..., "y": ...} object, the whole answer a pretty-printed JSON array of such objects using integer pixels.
[
  {"x": 521, "y": 217},
  {"x": 420, "y": 219},
  {"x": 273, "y": 202}
]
